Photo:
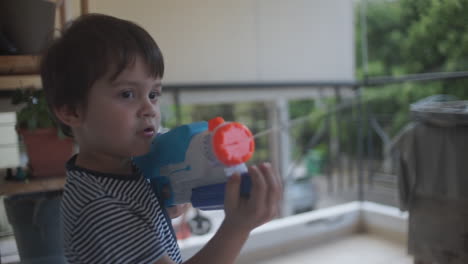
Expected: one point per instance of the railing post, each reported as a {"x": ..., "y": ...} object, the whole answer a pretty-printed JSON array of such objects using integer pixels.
[
  {"x": 370, "y": 147},
  {"x": 280, "y": 145},
  {"x": 339, "y": 168},
  {"x": 360, "y": 146}
]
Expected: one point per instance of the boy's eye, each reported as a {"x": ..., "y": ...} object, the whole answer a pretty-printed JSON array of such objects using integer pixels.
[
  {"x": 127, "y": 94},
  {"x": 154, "y": 95}
]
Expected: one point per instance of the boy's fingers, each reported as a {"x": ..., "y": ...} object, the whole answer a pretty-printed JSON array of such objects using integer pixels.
[
  {"x": 258, "y": 192},
  {"x": 274, "y": 180},
  {"x": 231, "y": 198},
  {"x": 274, "y": 188}
]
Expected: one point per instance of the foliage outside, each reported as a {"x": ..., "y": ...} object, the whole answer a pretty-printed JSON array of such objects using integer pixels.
[{"x": 411, "y": 37}]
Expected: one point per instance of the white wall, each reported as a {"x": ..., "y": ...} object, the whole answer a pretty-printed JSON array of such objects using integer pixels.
[
  {"x": 246, "y": 40},
  {"x": 306, "y": 40},
  {"x": 9, "y": 152}
]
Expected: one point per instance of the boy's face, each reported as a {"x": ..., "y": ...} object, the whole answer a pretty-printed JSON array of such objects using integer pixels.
[{"x": 122, "y": 116}]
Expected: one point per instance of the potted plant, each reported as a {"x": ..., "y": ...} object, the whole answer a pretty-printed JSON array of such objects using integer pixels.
[{"x": 47, "y": 148}]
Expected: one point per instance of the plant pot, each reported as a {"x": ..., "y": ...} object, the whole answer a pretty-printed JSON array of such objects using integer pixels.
[
  {"x": 35, "y": 218},
  {"x": 47, "y": 153},
  {"x": 29, "y": 24}
]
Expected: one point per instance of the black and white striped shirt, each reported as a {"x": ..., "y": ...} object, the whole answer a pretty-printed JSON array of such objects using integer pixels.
[{"x": 114, "y": 219}]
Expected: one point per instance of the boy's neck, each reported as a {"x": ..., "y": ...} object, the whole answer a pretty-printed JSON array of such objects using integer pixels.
[{"x": 105, "y": 164}]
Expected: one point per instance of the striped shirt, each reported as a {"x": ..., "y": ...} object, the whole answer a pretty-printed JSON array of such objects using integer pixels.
[{"x": 114, "y": 219}]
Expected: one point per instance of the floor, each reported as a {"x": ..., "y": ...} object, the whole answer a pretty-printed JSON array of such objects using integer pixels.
[{"x": 356, "y": 249}]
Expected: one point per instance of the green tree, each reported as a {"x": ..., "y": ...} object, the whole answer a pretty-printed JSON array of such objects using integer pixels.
[
  {"x": 384, "y": 36},
  {"x": 408, "y": 37}
]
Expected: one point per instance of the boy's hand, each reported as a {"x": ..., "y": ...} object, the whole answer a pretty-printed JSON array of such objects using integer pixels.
[{"x": 263, "y": 203}]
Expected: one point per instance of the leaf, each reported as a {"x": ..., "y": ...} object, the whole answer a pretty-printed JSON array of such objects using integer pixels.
[{"x": 35, "y": 113}]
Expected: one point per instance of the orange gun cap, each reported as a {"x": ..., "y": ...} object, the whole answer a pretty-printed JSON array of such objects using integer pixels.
[{"x": 233, "y": 143}]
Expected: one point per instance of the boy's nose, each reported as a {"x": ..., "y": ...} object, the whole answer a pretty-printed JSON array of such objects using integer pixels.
[{"x": 149, "y": 109}]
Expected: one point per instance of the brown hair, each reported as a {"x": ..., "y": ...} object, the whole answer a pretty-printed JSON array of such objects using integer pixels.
[{"x": 88, "y": 49}]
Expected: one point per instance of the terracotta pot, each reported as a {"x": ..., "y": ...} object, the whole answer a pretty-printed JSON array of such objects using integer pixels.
[{"x": 47, "y": 153}]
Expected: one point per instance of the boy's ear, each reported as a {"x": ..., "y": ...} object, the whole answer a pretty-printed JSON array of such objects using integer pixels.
[{"x": 68, "y": 115}]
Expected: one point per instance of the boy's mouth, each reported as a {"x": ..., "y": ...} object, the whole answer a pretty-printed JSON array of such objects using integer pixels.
[{"x": 149, "y": 131}]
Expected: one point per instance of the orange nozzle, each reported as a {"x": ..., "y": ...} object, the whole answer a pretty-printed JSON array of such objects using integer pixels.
[
  {"x": 214, "y": 123},
  {"x": 233, "y": 143}
]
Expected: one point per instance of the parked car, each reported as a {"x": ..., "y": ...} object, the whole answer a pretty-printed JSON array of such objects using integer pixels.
[{"x": 301, "y": 195}]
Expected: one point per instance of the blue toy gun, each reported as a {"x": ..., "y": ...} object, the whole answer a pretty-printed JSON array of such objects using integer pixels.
[{"x": 191, "y": 163}]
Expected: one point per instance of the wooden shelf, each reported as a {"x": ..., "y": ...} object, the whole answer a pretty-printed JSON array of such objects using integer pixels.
[
  {"x": 8, "y": 188},
  {"x": 19, "y": 64},
  {"x": 11, "y": 82}
]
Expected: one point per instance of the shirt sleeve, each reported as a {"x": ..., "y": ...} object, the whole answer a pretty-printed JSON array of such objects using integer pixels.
[{"x": 107, "y": 232}]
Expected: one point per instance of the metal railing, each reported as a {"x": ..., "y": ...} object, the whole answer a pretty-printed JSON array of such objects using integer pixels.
[{"x": 357, "y": 169}]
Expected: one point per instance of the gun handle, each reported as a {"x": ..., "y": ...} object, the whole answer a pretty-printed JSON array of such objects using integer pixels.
[
  {"x": 211, "y": 197},
  {"x": 162, "y": 187}
]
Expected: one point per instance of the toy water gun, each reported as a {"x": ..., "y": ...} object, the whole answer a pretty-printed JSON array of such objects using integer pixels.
[{"x": 191, "y": 163}]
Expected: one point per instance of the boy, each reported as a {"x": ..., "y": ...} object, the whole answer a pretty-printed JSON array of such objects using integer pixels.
[{"x": 102, "y": 80}]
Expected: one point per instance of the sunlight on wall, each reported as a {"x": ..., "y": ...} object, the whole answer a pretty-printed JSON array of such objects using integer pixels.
[{"x": 246, "y": 41}]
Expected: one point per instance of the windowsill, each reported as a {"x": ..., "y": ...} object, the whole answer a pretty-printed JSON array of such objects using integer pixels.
[{"x": 304, "y": 232}]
